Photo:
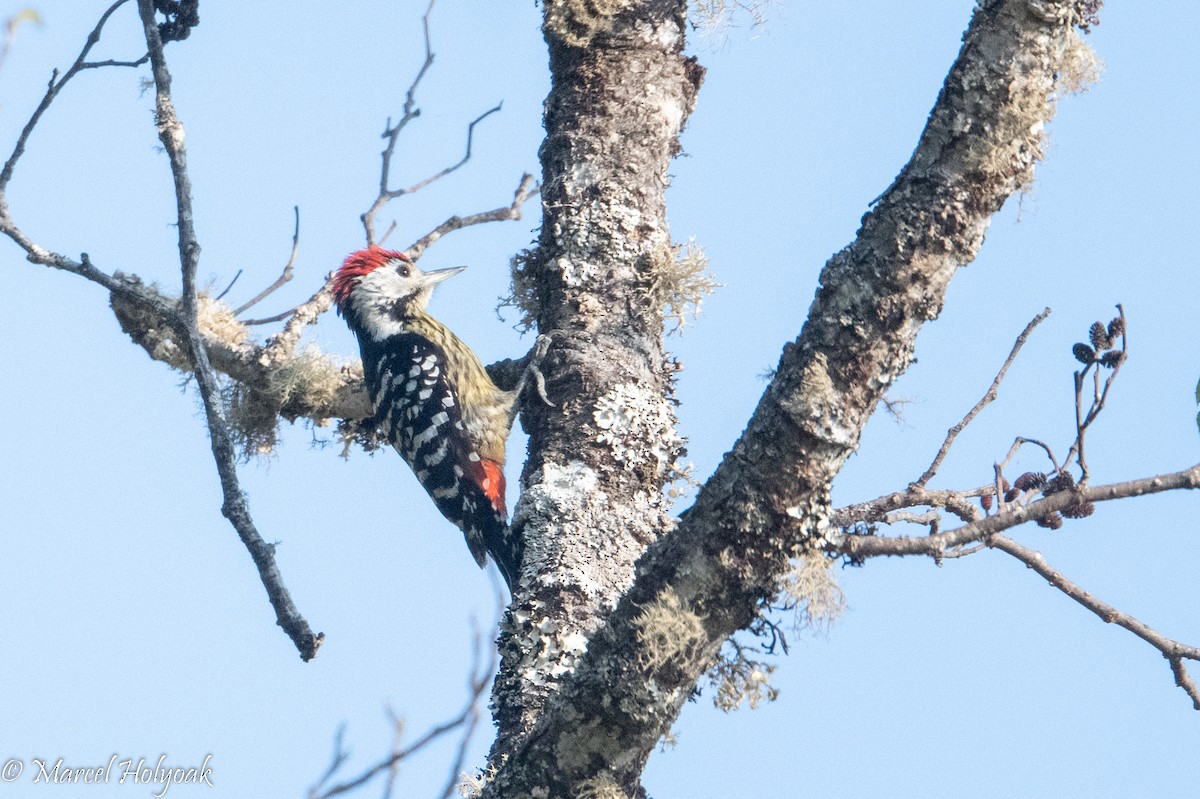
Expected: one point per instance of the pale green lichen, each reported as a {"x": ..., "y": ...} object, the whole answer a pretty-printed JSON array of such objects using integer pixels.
[
  {"x": 713, "y": 18},
  {"x": 679, "y": 282},
  {"x": 811, "y": 588},
  {"x": 601, "y": 786},
  {"x": 1019, "y": 138},
  {"x": 1079, "y": 66},
  {"x": 549, "y": 648},
  {"x": 216, "y": 320},
  {"x": 577, "y": 22},
  {"x": 310, "y": 378},
  {"x": 253, "y": 419},
  {"x": 524, "y": 290},
  {"x": 638, "y": 427},
  {"x": 669, "y": 633},
  {"x": 311, "y": 375}
]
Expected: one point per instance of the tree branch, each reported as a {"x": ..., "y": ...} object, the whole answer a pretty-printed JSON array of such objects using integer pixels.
[
  {"x": 987, "y": 399},
  {"x": 283, "y": 278},
  {"x": 391, "y": 134},
  {"x": 876, "y": 510},
  {"x": 768, "y": 500},
  {"x": 234, "y": 508},
  {"x": 467, "y": 721},
  {"x": 882, "y": 509},
  {"x": 56, "y": 85},
  {"x": 859, "y": 547},
  {"x": 525, "y": 190},
  {"x": 1174, "y": 651}
]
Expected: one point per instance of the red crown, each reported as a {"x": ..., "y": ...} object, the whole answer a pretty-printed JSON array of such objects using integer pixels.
[{"x": 357, "y": 266}]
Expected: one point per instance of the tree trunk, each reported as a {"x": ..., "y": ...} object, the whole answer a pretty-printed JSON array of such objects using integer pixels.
[
  {"x": 593, "y": 485},
  {"x": 621, "y": 92}
]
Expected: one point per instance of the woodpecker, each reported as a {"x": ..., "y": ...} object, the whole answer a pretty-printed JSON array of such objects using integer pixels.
[{"x": 433, "y": 400}]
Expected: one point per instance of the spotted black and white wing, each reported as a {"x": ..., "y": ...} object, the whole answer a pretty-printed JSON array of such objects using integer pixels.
[{"x": 416, "y": 407}]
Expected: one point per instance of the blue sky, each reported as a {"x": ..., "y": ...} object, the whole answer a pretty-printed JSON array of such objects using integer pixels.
[{"x": 136, "y": 622}]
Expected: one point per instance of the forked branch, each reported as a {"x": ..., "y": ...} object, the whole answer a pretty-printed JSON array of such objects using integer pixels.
[
  {"x": 1062, "y": 496},
  {"x": 56, "y": 85},
  {"x": 466, "y": 722},
  {"x": 234, "y": 507},
  {"x": 987, "y": 399},
  {"x": 1093, "y": 357},
  {"x": 525, "y": 190},
  {"x": 1174, "y": 651},
  {"x": 391, "y": 134}
]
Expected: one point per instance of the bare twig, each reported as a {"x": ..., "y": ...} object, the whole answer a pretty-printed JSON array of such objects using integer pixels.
[
  {"x": 1099, "y": 397},
  {"x": 466, "y": 155},
  {"x": 386, "y": 195},
  {"x": 1174, "y": 651},
  {"x": 962, "y": 553},
  {"x": 284, "y": 277},
  {"x": 930, "y": 518},
  {"x": 1020, "y": 441},
  {"x": 229, "y": 288},
  {"x": 336, "y": 760},
  {"x": 387, "y": 234},
  {"x": 876, "y": 510},
  {"x": 55, "y": 86},
  {"x": 397, "y": 738},
  {"x": 860, "y": 547},
  {"x": 266, "y": 320},
  {"x": 984, "y": 402},
  {"x": 307, "y": 312},
  {"x": 234, "y": 507},
  {"x": 467, "y": 720},
  {"x": 109, "y": 62},
  {"x": 999, "y": 483},
  {"x": 1184, "y": 681},
  {"x": 391, "y": 133},
  {"x": 476, "y": 684},
  {"x": 527, "y": 189}
]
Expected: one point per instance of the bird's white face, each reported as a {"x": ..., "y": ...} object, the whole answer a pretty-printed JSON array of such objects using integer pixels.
[
  {"x": 387, "y": 296},
  {"x": 382, "y": 296}
]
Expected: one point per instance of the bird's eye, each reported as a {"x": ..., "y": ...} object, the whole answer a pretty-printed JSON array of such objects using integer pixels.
[{"x": 402, "y": 270}]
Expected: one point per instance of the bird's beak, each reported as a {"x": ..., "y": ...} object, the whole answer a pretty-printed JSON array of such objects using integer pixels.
[{"x": 433, "y": 277}]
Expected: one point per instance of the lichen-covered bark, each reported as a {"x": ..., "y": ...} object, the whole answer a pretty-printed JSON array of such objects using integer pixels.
[
  {"x": 767, "y": 502},
  {"x": 310, "y": 385},
  {"x": 592, "y": 501}
]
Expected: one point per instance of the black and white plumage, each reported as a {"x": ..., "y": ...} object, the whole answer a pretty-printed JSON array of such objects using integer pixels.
[{"x": 433, "y": 399}]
